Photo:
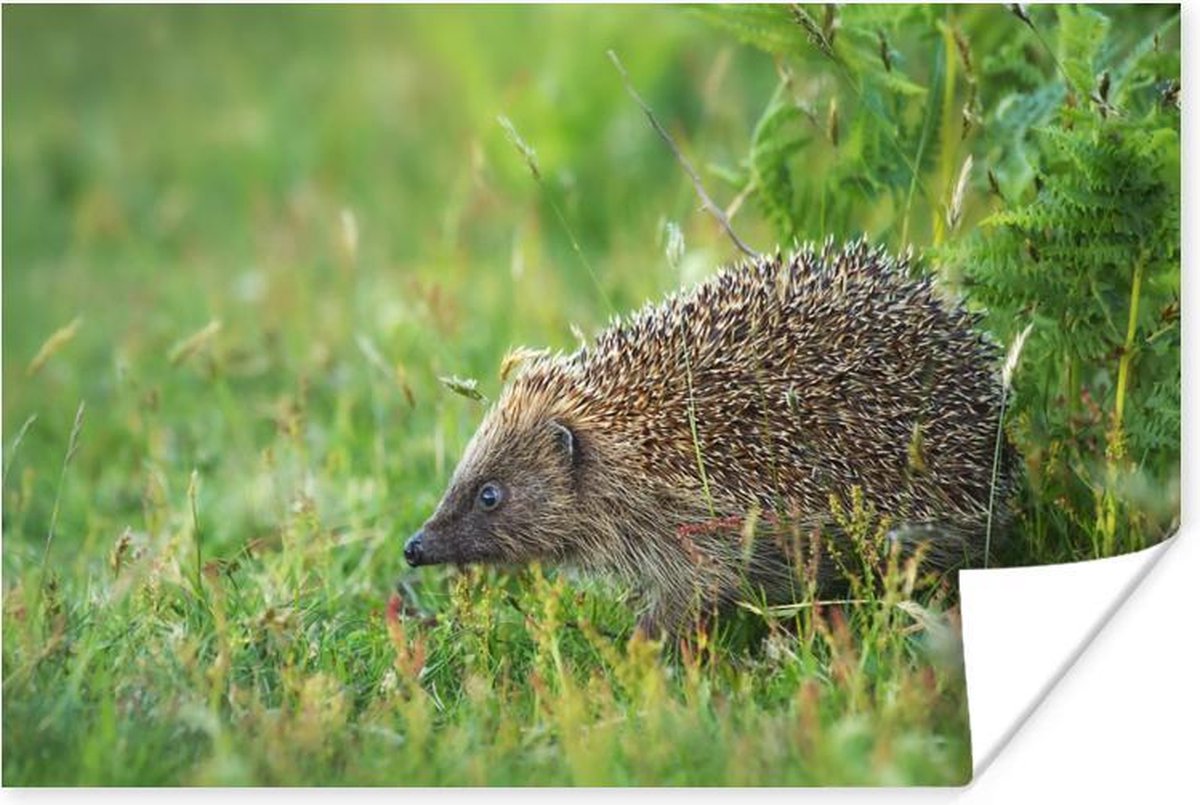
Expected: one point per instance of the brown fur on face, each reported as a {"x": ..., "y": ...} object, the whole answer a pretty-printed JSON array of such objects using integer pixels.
[
  {"x": 770, "y": 388},
  {"x": 531, "y": 460}
]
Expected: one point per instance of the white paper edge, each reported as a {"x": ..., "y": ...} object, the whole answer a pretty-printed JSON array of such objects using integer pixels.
[{"x": 1023, "y": 628}]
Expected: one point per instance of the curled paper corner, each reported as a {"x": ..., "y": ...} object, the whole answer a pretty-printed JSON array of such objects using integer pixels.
[{"x": 1024, "y": 627}]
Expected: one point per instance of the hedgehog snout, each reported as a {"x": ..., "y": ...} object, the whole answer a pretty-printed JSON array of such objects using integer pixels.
[{"x": 414, "y": 549}]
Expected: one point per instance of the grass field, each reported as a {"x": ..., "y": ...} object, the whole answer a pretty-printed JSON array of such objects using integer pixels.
[{"x": 240, "y": 248}]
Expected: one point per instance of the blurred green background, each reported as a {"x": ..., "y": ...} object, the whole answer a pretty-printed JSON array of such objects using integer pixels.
[{"x": 165, "y": 168}]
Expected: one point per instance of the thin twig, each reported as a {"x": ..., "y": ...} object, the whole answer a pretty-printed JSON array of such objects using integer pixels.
[
  {"x": 791, "y": 609},
  {"x": 706, "y": 201}
]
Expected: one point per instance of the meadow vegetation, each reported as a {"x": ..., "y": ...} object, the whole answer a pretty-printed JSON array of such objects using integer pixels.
[{"x": 243, "y": 247}]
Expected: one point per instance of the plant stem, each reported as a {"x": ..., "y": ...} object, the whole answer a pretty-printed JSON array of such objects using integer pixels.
[
  {"x": 987, "y": 539},
  {"x": 72, "y": 446},
  {"x": 946, "y": 131},
  {"x": 193, "y": 495},
  {"x": 1127, "y": 351},
  {"x": 1116, "y": 435},
  {"x": 931, "y": 111}
]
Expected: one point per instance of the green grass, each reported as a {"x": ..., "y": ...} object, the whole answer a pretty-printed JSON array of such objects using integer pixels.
[{"x": 240, "y": 248}]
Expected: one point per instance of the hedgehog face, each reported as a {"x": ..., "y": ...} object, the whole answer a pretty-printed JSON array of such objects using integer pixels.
[{"x": 509, "y": 500}]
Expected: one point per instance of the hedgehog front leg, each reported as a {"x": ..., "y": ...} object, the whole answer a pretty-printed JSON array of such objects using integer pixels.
[
  {"x": 665, "y": 619},
  {"x": 678, "y": 604},
  {"x": 677, "y": 574},
  {"x": 648, "y": 625}
]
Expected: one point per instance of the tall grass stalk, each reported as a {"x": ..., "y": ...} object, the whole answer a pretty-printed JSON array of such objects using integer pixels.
[
  {"x": 193, "y": 493},
  {"x": 1006, "y": 377},
  {"x": 530, "y": 157},
  {"x": 12, "y": 451},
  {"x": 930, "y": 120},
  {"x": 72, "y": 446}
]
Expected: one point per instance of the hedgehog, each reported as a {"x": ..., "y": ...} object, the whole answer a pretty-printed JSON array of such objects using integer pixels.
[{"x": 766, "y": 394}]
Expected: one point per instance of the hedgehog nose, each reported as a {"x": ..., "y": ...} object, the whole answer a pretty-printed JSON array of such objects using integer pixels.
[{"x": 413, "y": 548}]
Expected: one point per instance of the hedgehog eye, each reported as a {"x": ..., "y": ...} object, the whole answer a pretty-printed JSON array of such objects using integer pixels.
[{"x": 490, "y": 496}]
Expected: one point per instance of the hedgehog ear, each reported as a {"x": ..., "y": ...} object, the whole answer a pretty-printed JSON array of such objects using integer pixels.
[{"x": 565, "y": 439}]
